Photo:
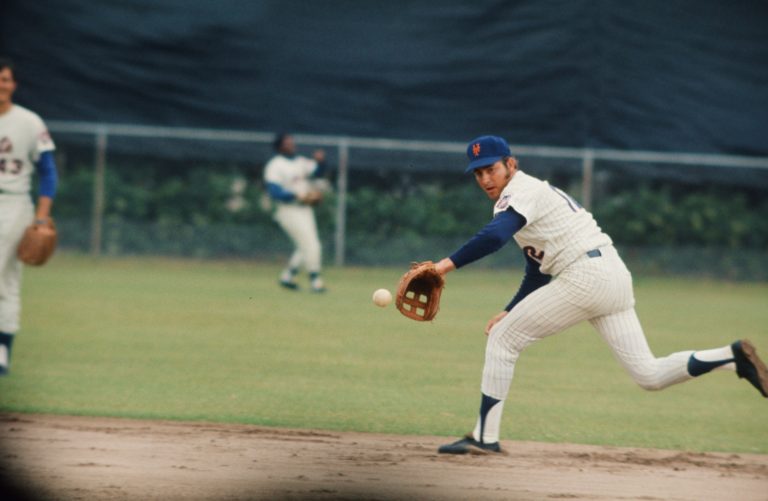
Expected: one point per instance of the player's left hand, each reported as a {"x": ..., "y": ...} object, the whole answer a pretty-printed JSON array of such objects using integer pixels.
[
  {"x": 319, "y": 156},
  {"x": 493, "y": 321},
  {"x": 38, "y": 242},
  {"x": 419, "y": 290},
  {"x": 445, "y": 266}
]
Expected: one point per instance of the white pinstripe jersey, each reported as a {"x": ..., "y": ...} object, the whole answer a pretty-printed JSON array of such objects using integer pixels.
[
  {"x": 557, "y": 231},
  {"x": 291, "y": 174},
  {"x": 23, "y": 137}
]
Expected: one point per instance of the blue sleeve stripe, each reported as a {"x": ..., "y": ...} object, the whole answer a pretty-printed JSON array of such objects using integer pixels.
[
  {"x": 277, "y": 192},
  {"x": 49, "y": 177},
  {"x": 489, "y": 239}
]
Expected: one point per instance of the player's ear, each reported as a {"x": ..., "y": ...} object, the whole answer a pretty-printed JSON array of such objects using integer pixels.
[{"x": 512, "y": 163}]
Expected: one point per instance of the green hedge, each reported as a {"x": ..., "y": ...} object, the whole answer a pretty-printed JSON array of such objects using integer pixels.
[
  {"x": 710, "y": 218},
  {"x": 207, "y": 211}
]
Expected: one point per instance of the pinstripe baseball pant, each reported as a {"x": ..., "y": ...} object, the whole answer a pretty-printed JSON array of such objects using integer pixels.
[
  {"x": 595, "y": 289},
  {"x": 298, "y": 222},
  {"x": 16, "y": 213}
]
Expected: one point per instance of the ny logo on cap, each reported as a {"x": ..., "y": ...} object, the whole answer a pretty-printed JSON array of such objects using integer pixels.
[{"x": 476, "y": 149}]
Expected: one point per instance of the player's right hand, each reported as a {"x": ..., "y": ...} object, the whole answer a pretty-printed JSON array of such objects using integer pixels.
[{"x": 493, "y": 321}]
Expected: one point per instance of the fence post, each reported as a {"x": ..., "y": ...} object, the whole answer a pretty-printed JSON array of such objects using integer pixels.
[
  {"x": 587, "y": 166},
  {"x": 341, "y": 202},
  {"x": 99, "y": 172}
]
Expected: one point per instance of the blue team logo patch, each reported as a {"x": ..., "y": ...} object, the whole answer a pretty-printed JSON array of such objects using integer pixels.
[{"x": 503, "y": 202}]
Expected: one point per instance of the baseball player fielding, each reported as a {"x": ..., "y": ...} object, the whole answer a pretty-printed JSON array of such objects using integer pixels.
[
  {"x": 292, "y": 183},
  {"x": 573, "y": 274},
  {"x": 26, "y": 148},
  {"x": 382, "y": 297}
]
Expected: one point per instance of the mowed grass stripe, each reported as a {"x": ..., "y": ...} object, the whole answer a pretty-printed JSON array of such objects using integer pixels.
[{"x": 219, "y": 341}]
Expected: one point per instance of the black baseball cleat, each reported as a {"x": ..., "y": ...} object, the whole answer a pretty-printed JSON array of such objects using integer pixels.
[
  {"x": 749, "y": 365},
  {"x": 289, "y": 285},
  {"x": 469, "y": 445},
  {"x": 317, "y": 285}
]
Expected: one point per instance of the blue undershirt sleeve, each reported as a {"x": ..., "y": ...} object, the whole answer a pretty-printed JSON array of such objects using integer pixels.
[
  {"x": 532, "y": 280},
  {"x": 277, "y": 192},
  {"x": 320, "y": 169},
  {"x": 49, "y": 177},
  {"x": 489, "y": 239}
]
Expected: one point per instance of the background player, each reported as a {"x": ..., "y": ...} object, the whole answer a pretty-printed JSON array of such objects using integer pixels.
[
  {"x": 289, "y": 179},
  {"x": 25, "y": 145},
  {"x": 562, "y": 240}
]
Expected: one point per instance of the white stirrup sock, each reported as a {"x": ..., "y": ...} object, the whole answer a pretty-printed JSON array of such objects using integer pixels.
[{"x": 488, "y": 425}]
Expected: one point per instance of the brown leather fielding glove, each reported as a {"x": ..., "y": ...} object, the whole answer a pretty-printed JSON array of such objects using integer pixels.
[
  {"x": 38, "y": 243},
  {"x": 312, "y": 197},
  {"x": 418, "y": 293}
]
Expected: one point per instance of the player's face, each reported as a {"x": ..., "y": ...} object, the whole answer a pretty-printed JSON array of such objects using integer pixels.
[
  {"x": 493, "y": 178},
  {"x": 7, "y": 87},
  {"x": 288, "y": 147}
]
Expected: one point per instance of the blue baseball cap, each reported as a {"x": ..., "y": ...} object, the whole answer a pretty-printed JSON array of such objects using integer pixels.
[{"x": 486, "y": 150}]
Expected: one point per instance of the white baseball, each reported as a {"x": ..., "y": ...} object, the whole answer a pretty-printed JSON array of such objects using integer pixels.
[{"x": 382, "y": 297}]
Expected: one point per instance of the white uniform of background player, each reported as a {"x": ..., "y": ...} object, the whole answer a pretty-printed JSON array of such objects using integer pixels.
[
  {"x": 24, "y": 145},
  {"x": 290, "y": 182},
  {"x": 560, "y": 239}
]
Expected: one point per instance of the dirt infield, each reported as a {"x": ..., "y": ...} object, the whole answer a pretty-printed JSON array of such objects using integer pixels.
[{"x": 68, "y": 458}]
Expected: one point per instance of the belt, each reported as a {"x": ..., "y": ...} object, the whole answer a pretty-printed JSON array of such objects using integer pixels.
[{"x": 594, "y": 253}]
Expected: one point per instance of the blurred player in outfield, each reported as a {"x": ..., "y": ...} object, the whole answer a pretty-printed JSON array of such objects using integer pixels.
[
  {"x": 293, "y": 185},
  {"x": 25, "y": 147},
  {"x": 573, "y": 273}
]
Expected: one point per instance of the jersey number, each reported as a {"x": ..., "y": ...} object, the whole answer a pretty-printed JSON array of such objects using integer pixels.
[
  {"x": 532, "y": 253},
  {"x": 572, "y": 203},
  {"x": 11, "y": 166}
]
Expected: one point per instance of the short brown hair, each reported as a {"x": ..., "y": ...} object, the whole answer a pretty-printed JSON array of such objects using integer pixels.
[{"x": 7, "y": 63}]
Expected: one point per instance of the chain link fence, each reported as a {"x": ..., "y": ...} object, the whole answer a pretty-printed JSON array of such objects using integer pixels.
[{"x": 194, "y": 192}]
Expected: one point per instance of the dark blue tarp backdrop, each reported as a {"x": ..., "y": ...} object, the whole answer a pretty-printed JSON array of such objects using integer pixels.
[{"x": 680, "y": 75}]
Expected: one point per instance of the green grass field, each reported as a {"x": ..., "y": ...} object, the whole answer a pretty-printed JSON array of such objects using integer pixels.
[{"x": 219, "y": 341}]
